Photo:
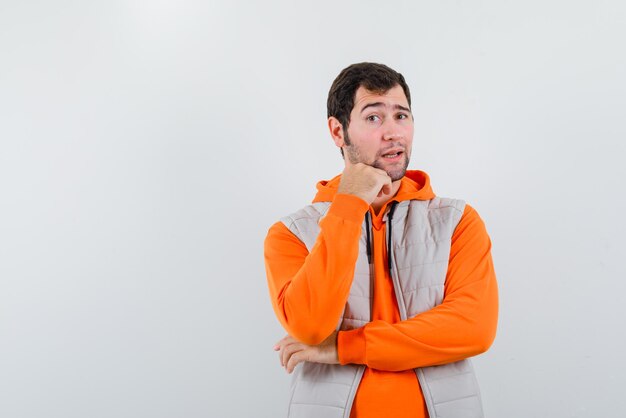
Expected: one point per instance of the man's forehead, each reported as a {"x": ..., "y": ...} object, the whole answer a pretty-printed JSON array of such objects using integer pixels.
[{"x": 393, "y": 96}]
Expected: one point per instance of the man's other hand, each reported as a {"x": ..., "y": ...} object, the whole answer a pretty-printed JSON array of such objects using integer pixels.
[
  {"x": 364, "y": 181},
  {"x": 293, "y": 352}
]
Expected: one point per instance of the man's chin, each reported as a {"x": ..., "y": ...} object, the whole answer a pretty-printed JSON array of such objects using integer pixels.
[{"x": 396, "y": 173}]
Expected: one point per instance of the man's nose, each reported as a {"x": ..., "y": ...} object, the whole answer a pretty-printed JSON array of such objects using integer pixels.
[
  {"x": 391, "y": 130},
  {"x": 391, "y": 134}
]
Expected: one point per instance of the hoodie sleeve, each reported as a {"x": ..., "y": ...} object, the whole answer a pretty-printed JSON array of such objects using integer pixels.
[
  {"x": 309, "y": 290},
  {"x": 463, "y": 325}
]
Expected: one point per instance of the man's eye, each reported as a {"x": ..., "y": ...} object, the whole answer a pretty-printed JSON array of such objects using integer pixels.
[
  {"x": 403, "y": 116},
  {"x": 372, "y": 118}
]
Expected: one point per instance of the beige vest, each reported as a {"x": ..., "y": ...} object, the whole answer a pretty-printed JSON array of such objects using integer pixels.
[{"x": 420, "y": 248}]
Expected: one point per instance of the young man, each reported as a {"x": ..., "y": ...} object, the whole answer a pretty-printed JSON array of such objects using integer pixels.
[{"x": 385, "y": 290}]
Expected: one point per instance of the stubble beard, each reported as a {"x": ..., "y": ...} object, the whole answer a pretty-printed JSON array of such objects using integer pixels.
[{"x": 354, "y": 156}]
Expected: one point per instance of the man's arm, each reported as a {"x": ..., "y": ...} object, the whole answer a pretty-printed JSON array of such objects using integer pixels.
[
  {"x": 309, "y": 290},
  {"x": 463, "y": 325}
]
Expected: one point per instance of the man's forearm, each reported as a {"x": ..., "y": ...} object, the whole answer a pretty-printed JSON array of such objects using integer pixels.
[
  {"x": 309, "y": 290},
  {"x": 452, "y": 331}
]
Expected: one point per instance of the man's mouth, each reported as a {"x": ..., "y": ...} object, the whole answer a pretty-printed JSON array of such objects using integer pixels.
[{"x": 392, "y": 155}]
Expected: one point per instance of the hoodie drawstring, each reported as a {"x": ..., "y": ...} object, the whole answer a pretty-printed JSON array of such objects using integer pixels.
[
  {"x": 389, "y": 219},
  {"x": 368, "y": 239},
  {"x": 367, "y": 229}
]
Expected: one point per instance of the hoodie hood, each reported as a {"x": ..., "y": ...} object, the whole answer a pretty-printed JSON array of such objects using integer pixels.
[{"x": 415, "y": 185}]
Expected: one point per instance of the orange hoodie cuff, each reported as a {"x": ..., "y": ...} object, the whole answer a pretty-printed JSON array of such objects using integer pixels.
[
  {"x": 351, "y": 346},
  {"x": 348, "y": 207}
]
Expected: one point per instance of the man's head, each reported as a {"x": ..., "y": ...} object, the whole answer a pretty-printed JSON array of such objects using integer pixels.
[{"x": 369, "y": 117}]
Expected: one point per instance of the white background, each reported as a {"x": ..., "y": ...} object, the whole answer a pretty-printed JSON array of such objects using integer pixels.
[{"x": 147, "y": 146}]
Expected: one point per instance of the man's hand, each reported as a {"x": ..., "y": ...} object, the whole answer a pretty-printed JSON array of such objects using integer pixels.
[
  {"x": 292, "y": 352},
  {"x": 364, "y": 181}
]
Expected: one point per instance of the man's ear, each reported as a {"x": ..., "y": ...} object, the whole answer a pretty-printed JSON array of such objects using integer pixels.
[{"x": 336, "y": 131}]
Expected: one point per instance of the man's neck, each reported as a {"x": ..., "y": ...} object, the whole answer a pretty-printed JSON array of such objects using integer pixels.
[{"x": 380, "y": 201}]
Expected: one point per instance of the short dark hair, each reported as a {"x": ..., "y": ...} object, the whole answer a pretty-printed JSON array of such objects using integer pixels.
[{"x": 374, "y": 77}]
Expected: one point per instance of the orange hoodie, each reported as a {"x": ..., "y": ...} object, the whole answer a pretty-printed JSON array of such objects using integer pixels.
[{"x": 309, "y": 290}]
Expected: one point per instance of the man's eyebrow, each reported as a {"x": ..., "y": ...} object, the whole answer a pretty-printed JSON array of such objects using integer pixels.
[{"x": 378, "y": 104}]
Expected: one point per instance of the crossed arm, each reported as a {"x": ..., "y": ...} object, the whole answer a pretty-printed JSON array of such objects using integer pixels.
[{"x": 309, "y": 290}]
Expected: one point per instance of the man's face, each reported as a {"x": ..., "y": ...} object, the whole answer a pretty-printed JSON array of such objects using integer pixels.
[{"x": 380, "y": 133}]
